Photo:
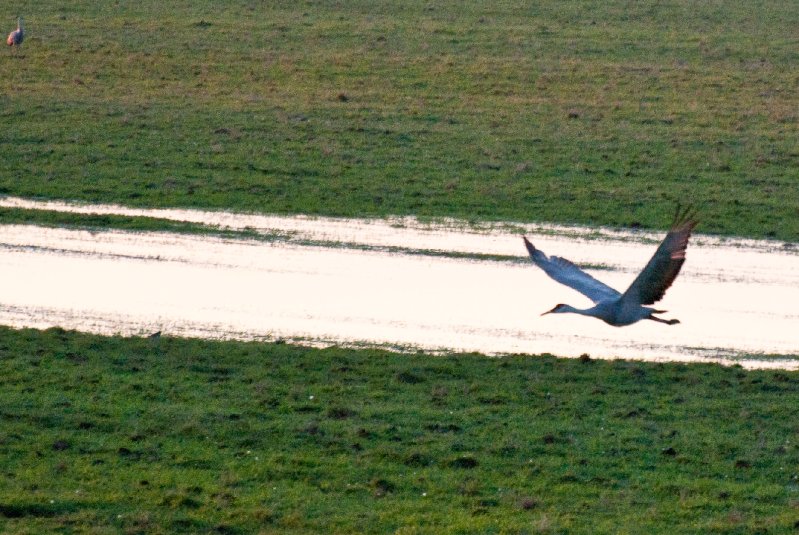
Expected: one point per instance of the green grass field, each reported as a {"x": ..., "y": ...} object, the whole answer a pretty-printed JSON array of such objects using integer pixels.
[
  {"x": 577, "y": 112},
  {"x": 111, "y": 435},
  {"x": 570, "y": 112}
]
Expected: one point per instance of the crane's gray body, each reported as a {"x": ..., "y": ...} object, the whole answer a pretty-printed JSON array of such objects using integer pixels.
[
  {"x": 615, "y": 312},
  {"x": 16, "y": 37}
]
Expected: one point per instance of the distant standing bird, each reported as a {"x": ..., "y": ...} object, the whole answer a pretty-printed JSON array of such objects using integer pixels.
[
  {"x": 611, "y": 306},
  {"x": 15, "y": 38}
]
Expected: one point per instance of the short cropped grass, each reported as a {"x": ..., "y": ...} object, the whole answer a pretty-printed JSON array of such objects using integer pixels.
[
  {"x": 598, "y": 112},
  {"x": 137, "y": 435}
]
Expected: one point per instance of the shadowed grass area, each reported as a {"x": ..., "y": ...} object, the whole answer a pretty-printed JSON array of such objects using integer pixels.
[
  {"x": 584, "y": 112},
  {"x": 18, "y": 216},
  {"x": 170, "y": 435}
]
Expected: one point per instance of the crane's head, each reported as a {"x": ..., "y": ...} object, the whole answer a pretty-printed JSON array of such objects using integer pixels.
[{"x": 559, "y": 308}]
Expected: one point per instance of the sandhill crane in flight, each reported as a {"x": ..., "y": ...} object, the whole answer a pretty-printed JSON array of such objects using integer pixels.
[
  {"x": 611, "y": 306},
  {"x": 15, "y": 38}
]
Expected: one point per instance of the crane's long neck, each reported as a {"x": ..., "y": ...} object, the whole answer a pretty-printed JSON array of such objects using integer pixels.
[
  {"x": 19, "y": 23},
  {"x": 581, "y": 311},
  {"x": 568, "y": 309}
]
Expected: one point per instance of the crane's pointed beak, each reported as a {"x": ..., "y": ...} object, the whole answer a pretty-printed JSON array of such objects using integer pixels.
[{"x": 554, "y": 309}]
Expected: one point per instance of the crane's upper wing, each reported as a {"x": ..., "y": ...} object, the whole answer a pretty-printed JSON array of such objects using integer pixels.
[
  {"x": 663, "y": 267},
  {"x": 567, "y": 273}
]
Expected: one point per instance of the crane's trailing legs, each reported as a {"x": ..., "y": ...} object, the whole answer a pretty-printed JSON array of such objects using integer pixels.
[
  {"x": 615, "y": 308},
  {"x": 661, "y": 320}
]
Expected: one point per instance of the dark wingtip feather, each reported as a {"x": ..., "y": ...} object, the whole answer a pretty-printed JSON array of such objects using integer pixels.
[
  {"x": 685, "y": 217},
  {"x": 530, "y": 247}
]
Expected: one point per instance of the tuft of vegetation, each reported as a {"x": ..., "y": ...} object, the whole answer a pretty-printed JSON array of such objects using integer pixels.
[
  {"x": 21, "y": 216},
  {"x": 132, "y": 435},
  {"x": 598, "y": 112}
]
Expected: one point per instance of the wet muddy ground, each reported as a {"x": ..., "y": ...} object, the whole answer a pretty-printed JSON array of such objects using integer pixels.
[{"x": 397, "y": 283}]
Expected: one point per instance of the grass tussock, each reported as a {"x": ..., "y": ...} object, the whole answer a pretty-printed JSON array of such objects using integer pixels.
[{"x": 169, "y": 435}]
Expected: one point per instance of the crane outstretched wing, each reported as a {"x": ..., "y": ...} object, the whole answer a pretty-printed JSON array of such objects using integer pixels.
[
  {"x": 650, "y": 285},
  {"x": 567, "y": 273}
]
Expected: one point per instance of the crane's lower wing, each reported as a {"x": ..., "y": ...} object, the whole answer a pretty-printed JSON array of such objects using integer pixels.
[
  {"x": 567, "y": 273},
  {"x": 665, "y": 264}
]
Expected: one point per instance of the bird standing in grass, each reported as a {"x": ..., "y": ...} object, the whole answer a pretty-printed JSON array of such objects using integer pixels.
[
  {"x": 611, "y": 306},
  {"x": 15, "y": 38}
]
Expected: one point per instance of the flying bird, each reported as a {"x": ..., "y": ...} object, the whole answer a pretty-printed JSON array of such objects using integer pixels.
[
  {"x": 15, "y": 38},
  {"x": 615, "y": 308}
]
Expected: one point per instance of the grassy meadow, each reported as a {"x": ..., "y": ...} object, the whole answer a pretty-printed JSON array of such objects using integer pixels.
[
  {"x": 590, "y": 112},
  {"x": 572, "y": 112},
  {"x": 113, "y": 435}
]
